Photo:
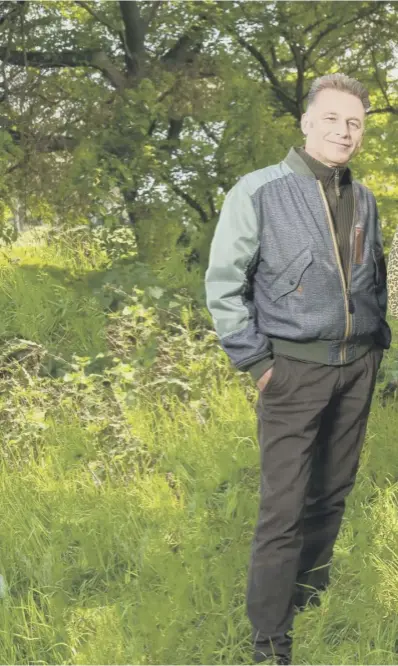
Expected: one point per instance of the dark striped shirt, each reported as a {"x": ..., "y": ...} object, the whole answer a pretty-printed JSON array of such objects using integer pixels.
[{"x": 338, "y": 190}]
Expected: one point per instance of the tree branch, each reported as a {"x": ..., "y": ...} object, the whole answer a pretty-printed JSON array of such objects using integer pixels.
[
  {"x": 191, "y": 202},
  {"x": 155, "y": 6},
  {"x": 86, "y": 58},
  {"x": 299, "y": 60},
  {"x": 46, "y": 144},
  {"x": 383, "y": 90},
  {"x": 100, "y": 19},
  {"x": 321, "y": 55},
  {"x": 5, "y": 17},
  {"x": 289, "y": 103},
  {"x": 173, "y": 134},
  {"x": 101, "y": 61},
  {"x": 208, "y": 132},
  {"x": 42, "y": 59},
  {"x": 221, "y": 170},
  {"x": 186, "y": 48},
  {"x": 15, "y": 167},
  {"x": 134, "y": 34},
  {"x": 337, "y": 25},
  {"x": 315, "y": 24},
  {"x": 152, "y": 127},
  {"x": 51, "y": 144},
  {"x": 212, "y": 206},
  {"x": 387, "y": 109}
]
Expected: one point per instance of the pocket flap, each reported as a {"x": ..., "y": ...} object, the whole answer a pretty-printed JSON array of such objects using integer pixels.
[{"x": 290, "y": 278}]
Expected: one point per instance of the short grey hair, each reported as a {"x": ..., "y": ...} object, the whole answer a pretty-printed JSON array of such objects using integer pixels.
[{"x": 339, "y": 82}]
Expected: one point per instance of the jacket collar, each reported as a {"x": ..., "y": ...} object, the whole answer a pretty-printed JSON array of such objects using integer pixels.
[{"x": 305, "y": 165}]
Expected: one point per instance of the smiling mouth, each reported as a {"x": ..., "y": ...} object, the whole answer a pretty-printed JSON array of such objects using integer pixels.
[{"x": 343, "y": 145}]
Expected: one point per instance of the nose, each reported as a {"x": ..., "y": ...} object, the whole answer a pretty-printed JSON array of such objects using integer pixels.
[{"x": 342, "y": 129}]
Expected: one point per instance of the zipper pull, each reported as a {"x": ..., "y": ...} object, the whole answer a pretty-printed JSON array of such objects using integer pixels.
[
  {"x": 351, "y": 308},
  {"x": 336, "y": 182}
]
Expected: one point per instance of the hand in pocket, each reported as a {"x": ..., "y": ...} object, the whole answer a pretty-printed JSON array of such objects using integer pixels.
[{"x": 265, "y": 379}]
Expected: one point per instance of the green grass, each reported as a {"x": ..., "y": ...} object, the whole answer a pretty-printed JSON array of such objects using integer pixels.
[{"x": 116, "y": 554}]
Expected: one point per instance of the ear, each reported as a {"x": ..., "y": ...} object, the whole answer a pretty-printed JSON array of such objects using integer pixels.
[{"x": 304, "y": 123}]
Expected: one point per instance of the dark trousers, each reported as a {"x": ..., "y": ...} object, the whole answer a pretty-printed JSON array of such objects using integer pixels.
[{"x": 311, "y": 427}]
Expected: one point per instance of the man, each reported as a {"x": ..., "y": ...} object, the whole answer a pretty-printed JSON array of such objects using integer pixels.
[{"x": 296, "y": 286}]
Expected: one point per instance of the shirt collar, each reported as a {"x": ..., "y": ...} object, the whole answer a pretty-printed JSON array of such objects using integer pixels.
[{"x": 322, "y": 171}]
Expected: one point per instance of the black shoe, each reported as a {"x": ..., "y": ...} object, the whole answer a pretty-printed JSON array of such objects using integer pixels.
[
  {"x": 262, "y": 658},
  {"x": 300, "y": 604}
]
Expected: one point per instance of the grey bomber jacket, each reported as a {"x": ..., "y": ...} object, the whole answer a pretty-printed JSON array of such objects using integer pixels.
[{"x": 275, "y": 283}]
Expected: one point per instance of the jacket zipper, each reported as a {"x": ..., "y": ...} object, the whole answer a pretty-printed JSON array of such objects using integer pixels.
[
  {"x": 346, "y": 290},
  {"x": 336, "y": 182},
  {"x": 350, "y": 303}
]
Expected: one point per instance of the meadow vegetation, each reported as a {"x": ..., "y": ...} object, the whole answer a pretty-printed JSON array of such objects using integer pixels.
[{"x": 129, "y": 477}]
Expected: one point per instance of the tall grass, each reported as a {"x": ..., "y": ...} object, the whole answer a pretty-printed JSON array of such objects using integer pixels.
[{"x": 138, "y": 553}]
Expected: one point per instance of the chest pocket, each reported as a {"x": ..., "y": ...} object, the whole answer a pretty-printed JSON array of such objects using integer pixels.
[{"x": 290, "y": 278}]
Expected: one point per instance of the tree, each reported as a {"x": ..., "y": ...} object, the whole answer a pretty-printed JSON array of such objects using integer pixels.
[{"x": 167, "y": 103}]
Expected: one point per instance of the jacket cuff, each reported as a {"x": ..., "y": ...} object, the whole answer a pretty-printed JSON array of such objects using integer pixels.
[{"x": 258, "y": 369}]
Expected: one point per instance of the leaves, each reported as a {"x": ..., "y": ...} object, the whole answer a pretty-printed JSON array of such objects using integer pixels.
[{"x": 215, "y": 91}]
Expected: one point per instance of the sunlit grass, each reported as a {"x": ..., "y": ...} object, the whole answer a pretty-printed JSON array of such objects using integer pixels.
[
  {"x": 149, "y": 566},
  {"x": 154, "y": 571}
]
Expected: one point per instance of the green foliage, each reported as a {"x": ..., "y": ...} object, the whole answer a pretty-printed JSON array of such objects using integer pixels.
[
  {"x": 129, "y": 476},
  {"x": 218, "y": 92},
  {"x": 114, "y": 242},
  {"x": 129, "y": 473}
]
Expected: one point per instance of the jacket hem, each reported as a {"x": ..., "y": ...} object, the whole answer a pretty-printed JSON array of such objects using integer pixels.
[{"x": 326, "y": 352}]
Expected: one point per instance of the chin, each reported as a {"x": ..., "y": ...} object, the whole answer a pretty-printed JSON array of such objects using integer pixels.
[
  {"x": 342, "y": 156},
  {"x": 340, "y": 159}
]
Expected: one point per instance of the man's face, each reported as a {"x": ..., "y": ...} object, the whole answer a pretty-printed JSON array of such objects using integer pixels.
[{"x": 334, "y": 125}]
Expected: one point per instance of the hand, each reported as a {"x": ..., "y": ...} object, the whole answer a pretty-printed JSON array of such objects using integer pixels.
[{"x": 263, "y": 381}]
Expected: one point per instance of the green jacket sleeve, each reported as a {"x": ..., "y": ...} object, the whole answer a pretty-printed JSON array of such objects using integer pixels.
[{"x": 233, "y": 259}]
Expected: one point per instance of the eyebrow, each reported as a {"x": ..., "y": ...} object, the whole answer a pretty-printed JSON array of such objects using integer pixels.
[{"x": 333, "y": 113}]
